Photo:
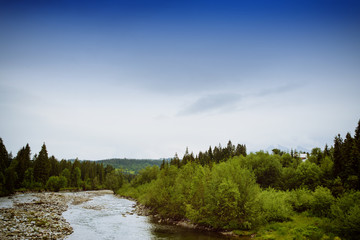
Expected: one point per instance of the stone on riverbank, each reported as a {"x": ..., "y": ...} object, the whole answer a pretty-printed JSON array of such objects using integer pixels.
[{"x": 39, "y": 219}]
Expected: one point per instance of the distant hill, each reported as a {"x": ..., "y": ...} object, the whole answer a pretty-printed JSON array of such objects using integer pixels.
[
  {"x": 132, "y": 166},
  {"x": 286, "y": 149}
]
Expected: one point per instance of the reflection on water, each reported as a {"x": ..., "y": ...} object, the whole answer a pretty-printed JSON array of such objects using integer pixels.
[{"x": 109, "y": 217}]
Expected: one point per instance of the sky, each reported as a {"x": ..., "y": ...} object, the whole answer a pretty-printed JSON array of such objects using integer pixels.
[{"x": 146, "y": 79}]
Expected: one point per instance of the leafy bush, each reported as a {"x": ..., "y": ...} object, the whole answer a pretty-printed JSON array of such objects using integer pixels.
[
  {"x": 267, "y": 168},
  {"x": 276, "y": 205},
  {"x": 54, "y": 183},
  {"x": 321, "y": 202},
  {"x": 114, "y": 180},
  {"x": 308, "y": 175},
  {"x": 146, "y": 175},
  {"x": 301, "y": 199},
  {"x": 345, "y": 213},
  {"x": 233, "y": 197}
]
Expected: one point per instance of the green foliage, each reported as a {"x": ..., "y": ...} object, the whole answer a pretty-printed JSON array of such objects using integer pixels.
[
  {"x": 20, "y": 173},
  {"x": 23, "y": 163},
  {"x": 10, "y": 180},
  {"x": 301, "y": 199},
  {"x": 76, "y": 177},
  {"x": 29, "y": 180},
  {"x": 345, "y": 213},
  {"x": 301, "y": 227},
  {"x": 114, "y": 180},
  {"x": 159, "y": 195},
  {"x": 276, "y": 205},
  {"x": 267, "y": 168},
  {"x": 146, "y": 175},
  {"x": 42, "y": 166},
  {"x": 321, "y": 202},
  {"x": 55, "y": 183},
  {"x": 233, "y": 196},
  {"x": 132, "y": 166},
  {"x": 66, "y": 174},
  {"x": 308, "y": 175},
  {"x": 288, "y": 180}
]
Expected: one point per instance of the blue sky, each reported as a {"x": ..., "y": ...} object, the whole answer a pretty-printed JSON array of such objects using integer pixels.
[{"x": 146, "y": 79}]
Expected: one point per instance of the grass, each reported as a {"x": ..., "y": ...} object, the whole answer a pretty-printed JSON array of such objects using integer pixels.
[{"x": 301, "y": 226}]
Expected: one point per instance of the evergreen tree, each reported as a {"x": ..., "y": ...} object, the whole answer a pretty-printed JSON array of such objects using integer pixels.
[
  {"x": 326, "y": 151},
  {"x": 23, "y": 163},
  {"x": 337, "y": 155},
  {"x": 186, "y": 157},
  {"x": 240, "y": 150},
  {"x": 66, "y": 174},
  {"x": 346, "y": 151},
  {"x": 230, "y": 150},
  {"x": 54, "y": 166},
  {"x": 10, "y": 180},
  {"x": 356, "y": 153},
  {"x": 76, "y": 177},
  {"x": 4, "y": 157},
  {"x": 162, "y": 164},
  {"x": 357, "y": 136},
  {"x": 42, "y": 166},
  {"x": 211, "y": 156}
]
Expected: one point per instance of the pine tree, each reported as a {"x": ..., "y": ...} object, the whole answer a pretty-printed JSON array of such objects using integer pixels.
[{"x": 42, "y": 166}]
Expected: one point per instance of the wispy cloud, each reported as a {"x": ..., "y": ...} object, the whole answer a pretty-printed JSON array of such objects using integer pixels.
[
  {"x": 280, "y": 89},
  {"x": 212, "y": 103}
]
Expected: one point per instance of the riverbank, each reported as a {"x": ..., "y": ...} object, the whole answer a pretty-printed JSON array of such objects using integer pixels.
[
  {"x": 38, "y": 215},
  {"x": 142, "y": 210}
]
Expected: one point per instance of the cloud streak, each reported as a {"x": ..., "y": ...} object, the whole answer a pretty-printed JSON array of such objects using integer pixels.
[{"x": 212, "y": 103}]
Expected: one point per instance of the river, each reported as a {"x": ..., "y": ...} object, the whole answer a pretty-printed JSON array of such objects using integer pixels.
[
  {"x": 92, "y": 215},
  {"x": 107, "y": 216}
]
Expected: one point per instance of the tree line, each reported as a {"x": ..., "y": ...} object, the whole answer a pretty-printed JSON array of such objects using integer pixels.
[
  {"x": 228, "y": 189},
  {"x": 42, "y": 172}
]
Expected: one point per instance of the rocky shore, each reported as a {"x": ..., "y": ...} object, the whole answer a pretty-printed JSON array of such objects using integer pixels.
[
  {"x": 38, "y": 215},
  {"x": 39, "y": 219}
]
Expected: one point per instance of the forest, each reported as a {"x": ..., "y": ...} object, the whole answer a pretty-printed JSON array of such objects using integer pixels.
[
  {"x": 21, "y": 173},
  {"x": 130, "y": 166},
  {"x": 272, "y": 195}
]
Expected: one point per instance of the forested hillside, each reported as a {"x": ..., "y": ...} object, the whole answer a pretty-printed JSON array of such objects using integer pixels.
[
  {"x": 42, "y": 172},
  {"x": 131, "y": 166},
  {"x": 274, "y": 196}
]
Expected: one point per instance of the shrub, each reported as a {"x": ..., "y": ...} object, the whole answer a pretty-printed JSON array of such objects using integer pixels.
[
  {"x": 233, "y": 200},
  {"x": 345, "y": 213},
  {"x": 301, "y": 199},
  {"x": 54, "y": 183},
  {"x": 276, "y": 205},
  {"x": 321, "y": 202}
]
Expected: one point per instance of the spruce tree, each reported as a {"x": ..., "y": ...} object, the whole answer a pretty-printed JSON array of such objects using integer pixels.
[
  {"x": 338, "y": 163},
  {"x": 346, "y": 157},
  {"x": 23, "y": 163},
  {"x": 42, "y": 166},
  {"x": 4, "y": 157}
]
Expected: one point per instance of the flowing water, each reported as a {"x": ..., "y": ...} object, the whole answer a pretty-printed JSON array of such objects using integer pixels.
[
  {"x": 109, "y": 217},
  {"x": 97, "y": 215}
]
